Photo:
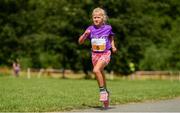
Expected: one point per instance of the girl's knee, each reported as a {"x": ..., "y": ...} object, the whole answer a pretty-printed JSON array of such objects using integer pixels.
[{"x": 96, "y": 70}]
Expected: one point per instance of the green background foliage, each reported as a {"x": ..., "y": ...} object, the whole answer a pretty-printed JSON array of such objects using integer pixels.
[{"x": 44, "y": 33}]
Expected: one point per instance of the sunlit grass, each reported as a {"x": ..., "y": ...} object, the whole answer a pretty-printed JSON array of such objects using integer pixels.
[{"x": 52, "y": 94}]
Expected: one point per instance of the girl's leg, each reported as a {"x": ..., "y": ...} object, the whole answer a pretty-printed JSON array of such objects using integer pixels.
[
  {"x": 98, "y": 71},
  {"x": 98, "y": 68},
  {"x": 104, "y": 79},
  {"x": 99, "y": 62},
  {"x": 105, "y": 96}
]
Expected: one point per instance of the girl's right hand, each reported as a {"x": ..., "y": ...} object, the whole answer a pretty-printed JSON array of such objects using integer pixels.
[
  {"x": 86, "y": 33},
  {"x": 84, "y": 36}
]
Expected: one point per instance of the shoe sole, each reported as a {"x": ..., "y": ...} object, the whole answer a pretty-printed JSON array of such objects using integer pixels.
[{"x": 106, "y": 103}]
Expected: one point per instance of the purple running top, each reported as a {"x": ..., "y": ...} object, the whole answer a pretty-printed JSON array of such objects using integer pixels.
[{"x": 100, "y": 37}]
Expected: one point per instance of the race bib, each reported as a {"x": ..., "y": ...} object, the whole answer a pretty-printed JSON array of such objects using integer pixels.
[{"x": 98, "y": 45}]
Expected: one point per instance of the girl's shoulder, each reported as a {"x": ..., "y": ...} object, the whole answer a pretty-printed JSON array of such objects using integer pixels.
[
  {"x": 108, "y": 26},
  {"x": 90, "y": 27},
  {"x": 105, "y": 26}
]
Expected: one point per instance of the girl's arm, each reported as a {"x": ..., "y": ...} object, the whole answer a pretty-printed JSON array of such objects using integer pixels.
[
  {"x": 83, "y": 36},
  {"x": 114, "y": 49}
]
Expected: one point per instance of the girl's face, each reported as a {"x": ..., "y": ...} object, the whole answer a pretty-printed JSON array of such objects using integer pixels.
[{"x": 98, "y": 19}]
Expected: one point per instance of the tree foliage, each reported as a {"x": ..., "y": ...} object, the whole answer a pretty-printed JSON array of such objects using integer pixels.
[{"x": 44, "y": 33}]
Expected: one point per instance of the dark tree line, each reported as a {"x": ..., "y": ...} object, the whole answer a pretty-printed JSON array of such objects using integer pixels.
[{"x": 44, "y": 33}]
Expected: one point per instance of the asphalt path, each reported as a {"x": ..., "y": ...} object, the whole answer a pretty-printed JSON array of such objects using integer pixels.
[{"x": 170, "y": 105}]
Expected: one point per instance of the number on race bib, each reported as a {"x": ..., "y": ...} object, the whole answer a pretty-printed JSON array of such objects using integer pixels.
[{"x": 98, "y": 45}]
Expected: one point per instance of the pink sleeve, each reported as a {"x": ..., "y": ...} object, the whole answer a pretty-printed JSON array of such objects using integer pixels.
[{"x": 89, "y": 28}]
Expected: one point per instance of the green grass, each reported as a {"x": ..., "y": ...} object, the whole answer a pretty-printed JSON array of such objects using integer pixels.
[{"x": 49, "y": 94}]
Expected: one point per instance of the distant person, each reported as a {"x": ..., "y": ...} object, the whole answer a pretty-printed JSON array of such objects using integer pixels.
[
  {"x": 16, "y": 68},
  {"x": 132, "y": 69},
  {"x": 102, "y": 41}
]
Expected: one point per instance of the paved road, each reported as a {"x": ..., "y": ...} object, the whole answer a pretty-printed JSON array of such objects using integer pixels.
[{"x": 172, "y": 105}]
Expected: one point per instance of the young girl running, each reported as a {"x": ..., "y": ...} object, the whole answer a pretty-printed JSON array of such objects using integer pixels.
[{"x": 102, "y": 40}]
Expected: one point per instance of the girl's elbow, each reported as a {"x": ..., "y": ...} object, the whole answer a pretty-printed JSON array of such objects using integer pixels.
[{"x": 80, "y": 41}]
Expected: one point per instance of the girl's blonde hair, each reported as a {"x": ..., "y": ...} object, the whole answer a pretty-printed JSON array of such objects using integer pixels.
[{"x": 102, "y": 11}]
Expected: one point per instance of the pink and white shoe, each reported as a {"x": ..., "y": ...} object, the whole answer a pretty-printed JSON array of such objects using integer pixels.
[
  {"x": 106, "y": 103},
  {"x": 103, "y": 96}
]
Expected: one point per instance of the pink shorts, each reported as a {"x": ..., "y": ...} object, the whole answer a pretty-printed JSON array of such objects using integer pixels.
[{"x": 105, "y": 56}]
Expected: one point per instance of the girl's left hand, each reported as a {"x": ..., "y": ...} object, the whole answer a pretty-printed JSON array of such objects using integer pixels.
[{"x": 114, "y": 49}]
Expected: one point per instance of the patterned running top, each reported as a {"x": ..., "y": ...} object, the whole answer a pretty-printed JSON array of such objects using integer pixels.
[{"x": 100, "y": 37}]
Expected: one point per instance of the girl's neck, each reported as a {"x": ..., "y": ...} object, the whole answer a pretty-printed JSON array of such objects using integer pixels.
[{"x": 98, "y": 26}]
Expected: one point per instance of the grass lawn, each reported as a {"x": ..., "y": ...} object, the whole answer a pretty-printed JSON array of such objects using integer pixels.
[{"x": 50, "y": 94}]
